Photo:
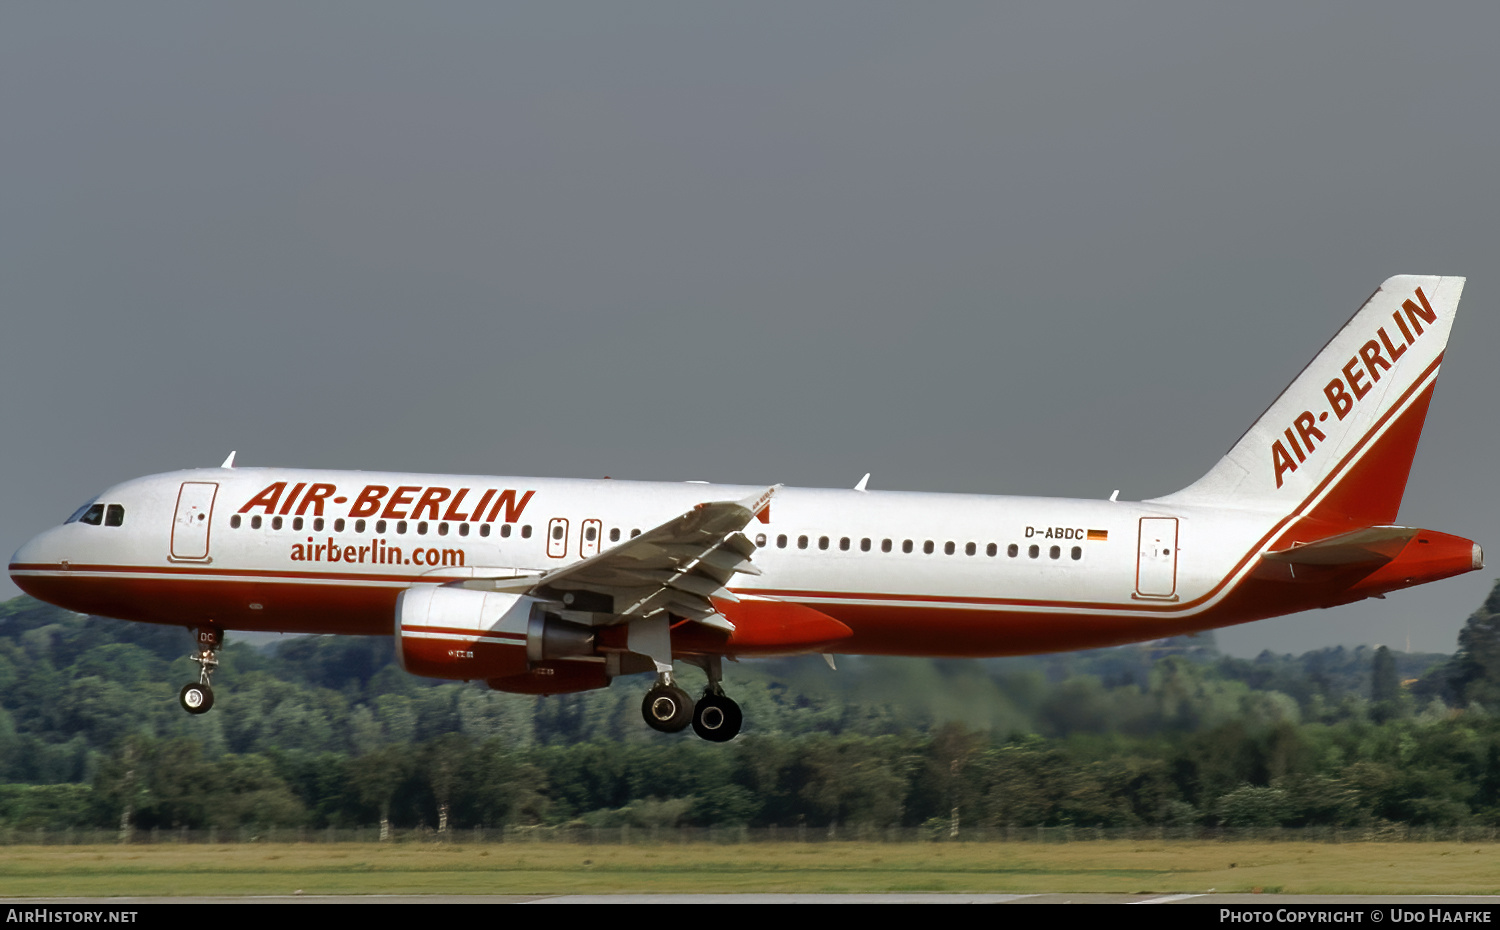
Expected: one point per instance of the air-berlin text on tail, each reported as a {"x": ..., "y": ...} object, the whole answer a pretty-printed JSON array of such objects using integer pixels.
[
  {"x": 1359, "y": 374},
  {"x": 405, "y": 502}
]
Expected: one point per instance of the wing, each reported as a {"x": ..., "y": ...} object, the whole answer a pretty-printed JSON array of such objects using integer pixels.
[{"x": 677, "y": 568}]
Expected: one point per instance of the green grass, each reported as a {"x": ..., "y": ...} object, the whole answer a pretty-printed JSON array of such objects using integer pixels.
[{"x": 547, "y": 868}]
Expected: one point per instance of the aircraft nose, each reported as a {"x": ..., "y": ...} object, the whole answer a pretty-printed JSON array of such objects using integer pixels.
[
  {"x": 36, "y": 554},
  {"x": 33, "y": 551}
]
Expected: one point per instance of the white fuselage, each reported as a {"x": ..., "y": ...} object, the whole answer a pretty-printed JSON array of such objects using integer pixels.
[{"x": 214, "y": 545}]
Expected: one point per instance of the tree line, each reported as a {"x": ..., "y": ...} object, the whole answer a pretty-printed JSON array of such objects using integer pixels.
[{"x": 327, "y": 732}]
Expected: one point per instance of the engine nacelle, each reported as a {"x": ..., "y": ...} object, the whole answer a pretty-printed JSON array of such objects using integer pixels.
[
  {"x": 555, "y": 678},
  {"x": 447, "y": 632},
  {"x": 444, "y": 632}
]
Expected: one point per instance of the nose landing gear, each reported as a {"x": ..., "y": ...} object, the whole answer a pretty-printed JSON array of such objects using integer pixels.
[{"x": 197, "y": 697}]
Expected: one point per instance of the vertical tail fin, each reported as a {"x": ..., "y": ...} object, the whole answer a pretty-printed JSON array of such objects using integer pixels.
[{"x": 1338, "y": 443}]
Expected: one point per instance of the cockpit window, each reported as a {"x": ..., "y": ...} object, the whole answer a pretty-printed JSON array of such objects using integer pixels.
[
  {"x": 93, "y": 516},
  {"x": 97, "y": 514}
]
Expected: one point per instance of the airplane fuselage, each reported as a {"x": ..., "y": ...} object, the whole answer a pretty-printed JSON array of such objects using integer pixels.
[{"x": 299, "y": 551}]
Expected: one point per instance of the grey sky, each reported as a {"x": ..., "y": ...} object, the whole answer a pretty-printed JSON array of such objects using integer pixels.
[{"x": 1053, "y": 250}]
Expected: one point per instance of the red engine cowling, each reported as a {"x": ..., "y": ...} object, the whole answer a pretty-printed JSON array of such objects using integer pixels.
[{"x": 509, "y": 641}]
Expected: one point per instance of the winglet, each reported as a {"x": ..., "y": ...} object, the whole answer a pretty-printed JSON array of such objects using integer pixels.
[
  {"x": 229, "y": 462},
  {"x": 862, "y": 482},
  {"x": 759, "y": 503}
]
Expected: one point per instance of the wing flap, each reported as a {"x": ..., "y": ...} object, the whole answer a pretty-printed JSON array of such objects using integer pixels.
[{"x": 680, "y": 567}]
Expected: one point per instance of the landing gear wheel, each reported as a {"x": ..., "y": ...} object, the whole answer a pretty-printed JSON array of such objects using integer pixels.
[
  {"x": 717, "y": 718},
  {"x": 196, "y": 698},
  {"x": 667, "y": 708}
]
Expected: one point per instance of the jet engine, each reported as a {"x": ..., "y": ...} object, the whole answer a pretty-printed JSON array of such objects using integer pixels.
[{"x": 514, "y": 642}]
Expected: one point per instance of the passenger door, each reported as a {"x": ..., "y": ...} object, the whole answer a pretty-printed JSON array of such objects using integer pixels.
[{"x": 191, "y": 524}]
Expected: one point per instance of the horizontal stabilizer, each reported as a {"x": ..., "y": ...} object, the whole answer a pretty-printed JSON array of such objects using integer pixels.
[{"x": 1374, "y": 545}]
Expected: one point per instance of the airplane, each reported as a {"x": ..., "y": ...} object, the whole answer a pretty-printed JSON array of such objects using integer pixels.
[{"x": 548, "y": 586}]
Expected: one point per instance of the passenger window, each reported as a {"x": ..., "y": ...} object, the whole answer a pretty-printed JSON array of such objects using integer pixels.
[
  {"x": 526, "y": 531},
  {"x": 1077, "y": 553},
  {"x": 760, "y": 541},
  {"x": 255, "y": 522},
  {"x": 484, "y": 529},
  {"x": 864, "y": 544},
  {"x": 557, "y": 531},
  {"x": 801, "y": 542},
  {"x": 275, "y": 523},
  {"x": 422, "y": 528},
  {"x": 822, "y": 542},
  {"x": 928, "y": 547},
  {"x": 844, "y": 544},
  {"x": 442, "y": 529},
  {"x": 504, "y": 530},
  {"x": 463, "y": 529},
  {"x": 906, "y": 545},
  {"x": 1034, "y": 551},
  {"x": 970, "y": 549},
  {"x": 614, "y": 534},
  {"x": 234, "y": 522},
  {"x": 781, "y": 541},
  {"x": 338, "y": 525},
  {"x": 380, "y": 526},
  {"x": 401, "y": 527},
  {"x": 297, "y": 524},
  {"x": 318, "y": 525},
  {"x": 634, "y": 533},
  {"x": 359, "y": 526},
  {"x": 1012, "y": 550},
  {"x": 991, "y": 550},
  {"x": 948, "y": 547},
  {"x": 1054, "y": 552},
  {"x": 885, "y": 545}
]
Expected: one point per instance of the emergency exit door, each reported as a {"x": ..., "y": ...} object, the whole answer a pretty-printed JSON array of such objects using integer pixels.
[{"x": 557, "y": 538}]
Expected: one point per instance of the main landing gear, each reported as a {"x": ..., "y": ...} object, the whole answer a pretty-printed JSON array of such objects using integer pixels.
[
  {"x": 715, "y": 717},
  {"x": 667, "y": 707},
  {"x": 197, "y": 697}
]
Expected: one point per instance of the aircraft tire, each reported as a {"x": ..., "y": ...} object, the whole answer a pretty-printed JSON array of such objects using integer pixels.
[
  {"x": 668, "y": 709},
  {"x": 196, "y": 698},
  {"x": 717, "y": 718}
]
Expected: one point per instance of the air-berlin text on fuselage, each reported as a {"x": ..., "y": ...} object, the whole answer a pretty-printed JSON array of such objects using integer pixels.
[
  {"x": 404, "y": 502},
  {"x": 1359, "y": 374}
]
